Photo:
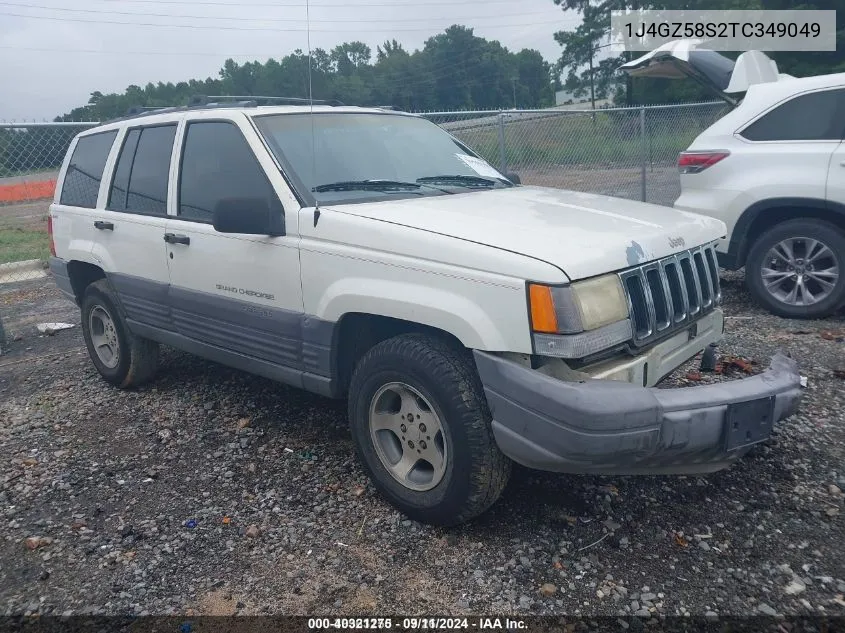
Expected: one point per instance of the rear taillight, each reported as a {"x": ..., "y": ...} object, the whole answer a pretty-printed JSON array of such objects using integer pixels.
[
  {"x": 50, "y": 233},
  {"x": 694, "y": 162}
]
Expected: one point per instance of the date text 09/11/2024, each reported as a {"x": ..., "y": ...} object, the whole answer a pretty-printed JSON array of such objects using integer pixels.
[{"x": 417, "y": 623}]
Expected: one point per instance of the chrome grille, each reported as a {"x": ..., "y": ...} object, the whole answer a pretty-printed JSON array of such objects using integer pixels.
[{"x": 670, "y": 292}]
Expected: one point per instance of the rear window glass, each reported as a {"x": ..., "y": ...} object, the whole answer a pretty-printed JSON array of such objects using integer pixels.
[
  {"x": 818, "y": 116},
  {"x": 85, "y": 171}
]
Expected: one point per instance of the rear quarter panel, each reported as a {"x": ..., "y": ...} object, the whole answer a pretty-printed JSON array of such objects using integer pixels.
[
  {"x": 73, "y": 227},
  {"x": 754, "y": 171}
]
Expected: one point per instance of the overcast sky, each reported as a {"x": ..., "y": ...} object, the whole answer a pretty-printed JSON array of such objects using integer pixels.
[{"x": 63, "y": 50}]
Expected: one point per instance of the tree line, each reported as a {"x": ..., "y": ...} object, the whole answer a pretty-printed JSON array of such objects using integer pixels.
[
  {"x": 457, "y": 70},
  {"x": 453, "y": 70}
]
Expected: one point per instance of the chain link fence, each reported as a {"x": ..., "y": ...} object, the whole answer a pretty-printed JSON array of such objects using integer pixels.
[
  {"x": 625, "y": 152},
  {"x": 30, "y": 157}
]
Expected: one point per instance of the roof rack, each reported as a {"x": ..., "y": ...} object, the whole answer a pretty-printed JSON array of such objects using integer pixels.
[
  {"x": 220, "y": 101},
  {"x": 207, "y": 99},
  {"x": 136, "y": 112},
  {"x": 141, "y": 109}
]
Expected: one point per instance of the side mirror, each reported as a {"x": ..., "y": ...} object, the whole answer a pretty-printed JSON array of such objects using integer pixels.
[
  {"x": 514, "y": 178},
  {"x": 252, "y": 216}
]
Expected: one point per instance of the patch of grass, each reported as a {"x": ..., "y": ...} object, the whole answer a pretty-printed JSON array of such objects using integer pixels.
[
  {"x": 18, "y": 244},
  {"x": 606, "y": 139}
]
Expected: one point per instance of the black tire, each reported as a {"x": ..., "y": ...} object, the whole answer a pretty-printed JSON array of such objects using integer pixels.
[
  {"x": 137, "y": 358},
  {"x": 476, "y": 471},
  {"x": 819, "y": 230}
]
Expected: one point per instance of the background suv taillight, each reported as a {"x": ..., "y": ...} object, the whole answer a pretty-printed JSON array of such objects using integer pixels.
[
  {"x": 694, "y": 162},
  {"x": 50, "y": 233}
]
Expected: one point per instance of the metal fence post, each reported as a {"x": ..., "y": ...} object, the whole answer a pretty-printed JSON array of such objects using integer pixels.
[
  {"x": 649, "y": 130},
  {"x": 644, "y": 155},
  {"x": 503, "y": 160}
]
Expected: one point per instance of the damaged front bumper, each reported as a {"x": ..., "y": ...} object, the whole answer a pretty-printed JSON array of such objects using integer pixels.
[{"x": 613, "y": 427}]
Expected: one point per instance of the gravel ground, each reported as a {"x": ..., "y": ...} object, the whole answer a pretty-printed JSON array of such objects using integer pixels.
[{"x": 214, "y": 492}]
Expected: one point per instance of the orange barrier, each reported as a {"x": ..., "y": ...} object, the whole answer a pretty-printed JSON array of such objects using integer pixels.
[{"x": 26, "y": 191}]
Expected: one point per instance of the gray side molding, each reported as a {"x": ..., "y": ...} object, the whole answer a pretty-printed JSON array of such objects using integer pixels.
[{"x": 58, "y": 267}]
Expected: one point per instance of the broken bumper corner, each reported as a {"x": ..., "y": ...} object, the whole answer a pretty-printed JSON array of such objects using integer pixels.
[{"x": 613, "y": 427}]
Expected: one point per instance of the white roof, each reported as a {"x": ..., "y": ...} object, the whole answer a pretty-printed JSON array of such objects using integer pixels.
[
  {"x": 212, "y": 112},
  {"x": 787, "y": 85}
]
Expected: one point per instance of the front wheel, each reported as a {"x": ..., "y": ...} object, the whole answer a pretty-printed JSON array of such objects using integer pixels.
[
  {"x": 795, "y": 269},
  {"x": 422, "y": 430}
]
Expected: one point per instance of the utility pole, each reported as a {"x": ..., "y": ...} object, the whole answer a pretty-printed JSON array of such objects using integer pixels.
[{"x": 513, "y": 82}]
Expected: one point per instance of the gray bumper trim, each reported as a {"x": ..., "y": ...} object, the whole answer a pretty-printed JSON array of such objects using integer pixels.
[
  {"x": 612, "y": 427},
  {"x": 59, "y": 269}
]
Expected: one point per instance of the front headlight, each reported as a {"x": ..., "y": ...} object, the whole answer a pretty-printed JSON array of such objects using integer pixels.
[
  {"x": 591, "y": 315},
  {"x": 585, "y": 305}
]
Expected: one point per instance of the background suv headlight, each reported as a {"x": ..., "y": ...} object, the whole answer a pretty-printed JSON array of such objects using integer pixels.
[{"x": 579, "y": 319}]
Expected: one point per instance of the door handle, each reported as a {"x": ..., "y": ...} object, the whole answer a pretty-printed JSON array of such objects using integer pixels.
[
  {"x": 103, "y": 226},
  {"x": 172, "y": 238}
]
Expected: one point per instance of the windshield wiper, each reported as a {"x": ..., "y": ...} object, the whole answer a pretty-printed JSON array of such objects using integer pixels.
[
  {"x": 460, "y": 180},
  {"x": 367, "y": 185}
]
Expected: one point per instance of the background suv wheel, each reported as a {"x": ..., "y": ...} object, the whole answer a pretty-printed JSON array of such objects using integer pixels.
[{"x": 795, "y": 269}]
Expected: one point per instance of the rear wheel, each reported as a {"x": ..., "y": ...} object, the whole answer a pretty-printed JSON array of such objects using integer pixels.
[
  {"x": 122, "y": 358},
  {"x": 422, "y": 430},
  {"x": 795, "y": 269}
]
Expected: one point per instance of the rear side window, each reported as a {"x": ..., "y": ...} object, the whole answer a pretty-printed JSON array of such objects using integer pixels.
[
  {"x": 143, "y": 169},
  {"x": 218, "y": 164},
  {"x": 818, "y": 116},
  {"x": 85, "y": 171}
]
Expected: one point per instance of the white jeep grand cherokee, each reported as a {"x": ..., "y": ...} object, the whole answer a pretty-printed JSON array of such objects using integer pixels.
[{"x": 469, "y": 321}]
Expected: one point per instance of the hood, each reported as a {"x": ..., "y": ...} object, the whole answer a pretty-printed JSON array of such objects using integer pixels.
[
  {"x": 583, "y": 234},
  {"x": 723, "y": 76}
]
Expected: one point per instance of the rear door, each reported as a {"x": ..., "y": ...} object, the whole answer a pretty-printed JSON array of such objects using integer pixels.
[
  {"x": 835, "y": 190},
  {"x": 130, "y": 244},
  {"x": 238, "y": 296},
  {"x": 789, "y": 147}
]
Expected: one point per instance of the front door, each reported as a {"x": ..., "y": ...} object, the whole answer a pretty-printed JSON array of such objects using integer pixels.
[{"x": 236, "y": 297}]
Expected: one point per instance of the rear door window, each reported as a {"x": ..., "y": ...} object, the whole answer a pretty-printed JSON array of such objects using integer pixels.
[
  {"x": 120, "y": 182},
  {"x": 85, "y": 171},
  {"x": 143, "y": 170},
  {"x": 817, "y": 116}
]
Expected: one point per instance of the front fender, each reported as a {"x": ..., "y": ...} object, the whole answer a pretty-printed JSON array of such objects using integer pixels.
[{"x": 467, "y": 316}]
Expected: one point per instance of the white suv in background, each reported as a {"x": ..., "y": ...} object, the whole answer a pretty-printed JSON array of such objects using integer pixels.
[
  {"x": 367, "y": 254},
  {"x": 773, "y": 169}
]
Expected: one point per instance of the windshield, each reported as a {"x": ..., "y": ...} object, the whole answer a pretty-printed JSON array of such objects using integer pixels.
[{"x": 371, "y": 156}]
